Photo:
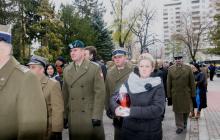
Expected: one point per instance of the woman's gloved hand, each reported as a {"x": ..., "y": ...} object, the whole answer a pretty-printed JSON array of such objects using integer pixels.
[{"x": 122, "y": 111}]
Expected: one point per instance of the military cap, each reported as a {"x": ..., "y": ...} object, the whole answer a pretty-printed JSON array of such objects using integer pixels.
[
  {"x": 117, "y": 52},
  {"x": 178, "y": 56},
  {"x": 5, "y": 34},
  {"x": 37, "y": 60},
  {"x": 76, "y": 44}
]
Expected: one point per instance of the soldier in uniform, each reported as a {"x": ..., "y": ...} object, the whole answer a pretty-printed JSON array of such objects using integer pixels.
[
  {"x": 181, "y": 88},
  {"x": 53, "y": 96},
  {"x": 116, "y": 76},
  {"x": 23, "y": 113},
  {"x": 84, "y": 96}
]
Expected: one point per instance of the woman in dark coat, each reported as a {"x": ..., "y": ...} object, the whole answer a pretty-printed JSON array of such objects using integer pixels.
[
  {"x": 143, "y": 114},
  {"x": 200, "y": 100}
]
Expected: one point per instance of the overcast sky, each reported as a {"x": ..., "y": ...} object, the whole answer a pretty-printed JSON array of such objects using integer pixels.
[{"x": 157, "y": 27}]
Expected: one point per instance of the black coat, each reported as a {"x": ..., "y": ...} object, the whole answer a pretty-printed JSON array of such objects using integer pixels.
[
  {"x": 201, "y": 84},
  {"x": 146, "y": 109}
]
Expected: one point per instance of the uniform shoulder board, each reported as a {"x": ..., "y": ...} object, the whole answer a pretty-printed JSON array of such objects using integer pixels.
[
  {"x": 23, "y": 68},
  {"x": 97, "y": 64}
]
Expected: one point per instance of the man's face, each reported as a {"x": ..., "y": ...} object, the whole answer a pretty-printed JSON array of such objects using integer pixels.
[
  {"x": 178, "y": 60},
  {"x": 77, "y": 54},
  {"x": 88, "y": 55},
  {"x": 36, "y": 69},
  {"x": 119, "y": 60},
  {"x": 5, "y": 49},
  {"x": 58, "y": 63}
]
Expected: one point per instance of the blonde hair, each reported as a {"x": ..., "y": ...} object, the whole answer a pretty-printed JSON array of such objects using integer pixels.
[{"x": 147, "y": 56}]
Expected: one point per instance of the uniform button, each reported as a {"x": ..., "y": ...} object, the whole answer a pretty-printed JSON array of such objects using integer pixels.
[
  {"x": 83, "y": 111},
  {"x": 83, "y": 98},
  {"x": 82, "y": 86},
  {"x": 72, "y": 98}
]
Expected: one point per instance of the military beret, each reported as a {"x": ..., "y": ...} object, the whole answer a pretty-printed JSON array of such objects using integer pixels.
[
  {"x": 5, "y": 34},
  {"x": 37, "y": 60},
  {"x": 76, "y": 44},
  {"x": 117, "y": 52}
]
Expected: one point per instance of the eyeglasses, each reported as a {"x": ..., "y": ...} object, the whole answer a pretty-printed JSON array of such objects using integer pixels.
[{"x": 178, "y": 58}]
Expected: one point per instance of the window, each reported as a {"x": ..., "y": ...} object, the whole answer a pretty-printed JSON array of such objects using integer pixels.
[
  {"x": 165, "y": 14},
  {"x": 165, "y": 27},
  {"x": 195, "y": 7},
  {"x": 166, "y": 18},
  {"x": 195, "y": 13},
  {"x": 195, "y": 1}
]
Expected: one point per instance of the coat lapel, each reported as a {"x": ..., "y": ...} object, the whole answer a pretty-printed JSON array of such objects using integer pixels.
[
  {"x": 82, "y": 70},
  {"x": 6, "y": 71}
]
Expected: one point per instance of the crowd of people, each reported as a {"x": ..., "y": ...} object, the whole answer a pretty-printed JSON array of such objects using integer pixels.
[{"x": 40, "y": 101}]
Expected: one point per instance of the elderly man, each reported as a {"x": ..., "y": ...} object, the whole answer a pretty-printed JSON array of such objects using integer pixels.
[
  {"x": 181, "y": 88},
  {"x": 84, "y": 96},
  {"x": 116, "y": 76},
  {"x": 23, "y": 113},
  {"x": 53, "y": 96}
]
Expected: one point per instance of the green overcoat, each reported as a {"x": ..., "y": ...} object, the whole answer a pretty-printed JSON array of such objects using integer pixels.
[
  {"x": 84, "y": 97},
  {"x": 114, "y": 79},
  {"x": 181, "y": 87},
  {"x": 23, "y": 114}
]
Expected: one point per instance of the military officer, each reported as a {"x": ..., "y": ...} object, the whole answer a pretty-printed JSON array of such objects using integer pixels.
[
  {"x": 116, "y": 76},
  {"x": 84, "y": 96},
  {"x": 23, "y": 113},
  {"x": 180, "y": 87},
  {"x": 53, "y": 96}
]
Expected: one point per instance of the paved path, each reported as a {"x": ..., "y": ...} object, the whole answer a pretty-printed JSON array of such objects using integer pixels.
[{"x": 208, "y": 126}]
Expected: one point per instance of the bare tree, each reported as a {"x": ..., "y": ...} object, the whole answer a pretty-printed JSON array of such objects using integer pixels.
[
  {"x": 123, "y": 26},
  {"x": 141, "y": 28},
  {"x": 193, "y": 34}
]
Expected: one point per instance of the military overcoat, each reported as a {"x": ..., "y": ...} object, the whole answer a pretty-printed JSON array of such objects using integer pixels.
[
  {"x": 55, "y": 106},
  {"x": 181, "y": 87},
  {"x": 114, "y": 79},
  {"x": 84, "y": 97},
  {"x": 23, "y": 114}
]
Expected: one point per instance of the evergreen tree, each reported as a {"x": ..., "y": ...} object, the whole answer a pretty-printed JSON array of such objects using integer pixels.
[
  {"x": 103, "y": 43},
  {"x": 48, "y": 31}
]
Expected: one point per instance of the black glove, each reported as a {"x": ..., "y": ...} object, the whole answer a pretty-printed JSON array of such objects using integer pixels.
[
  {"x": 56, "y": 136},
  {"x": 169, "y": 103},
  {"x": 96, "y": 123},
  {"x": 109, "y": 113},
  {"x": 65, "y": 123}
]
